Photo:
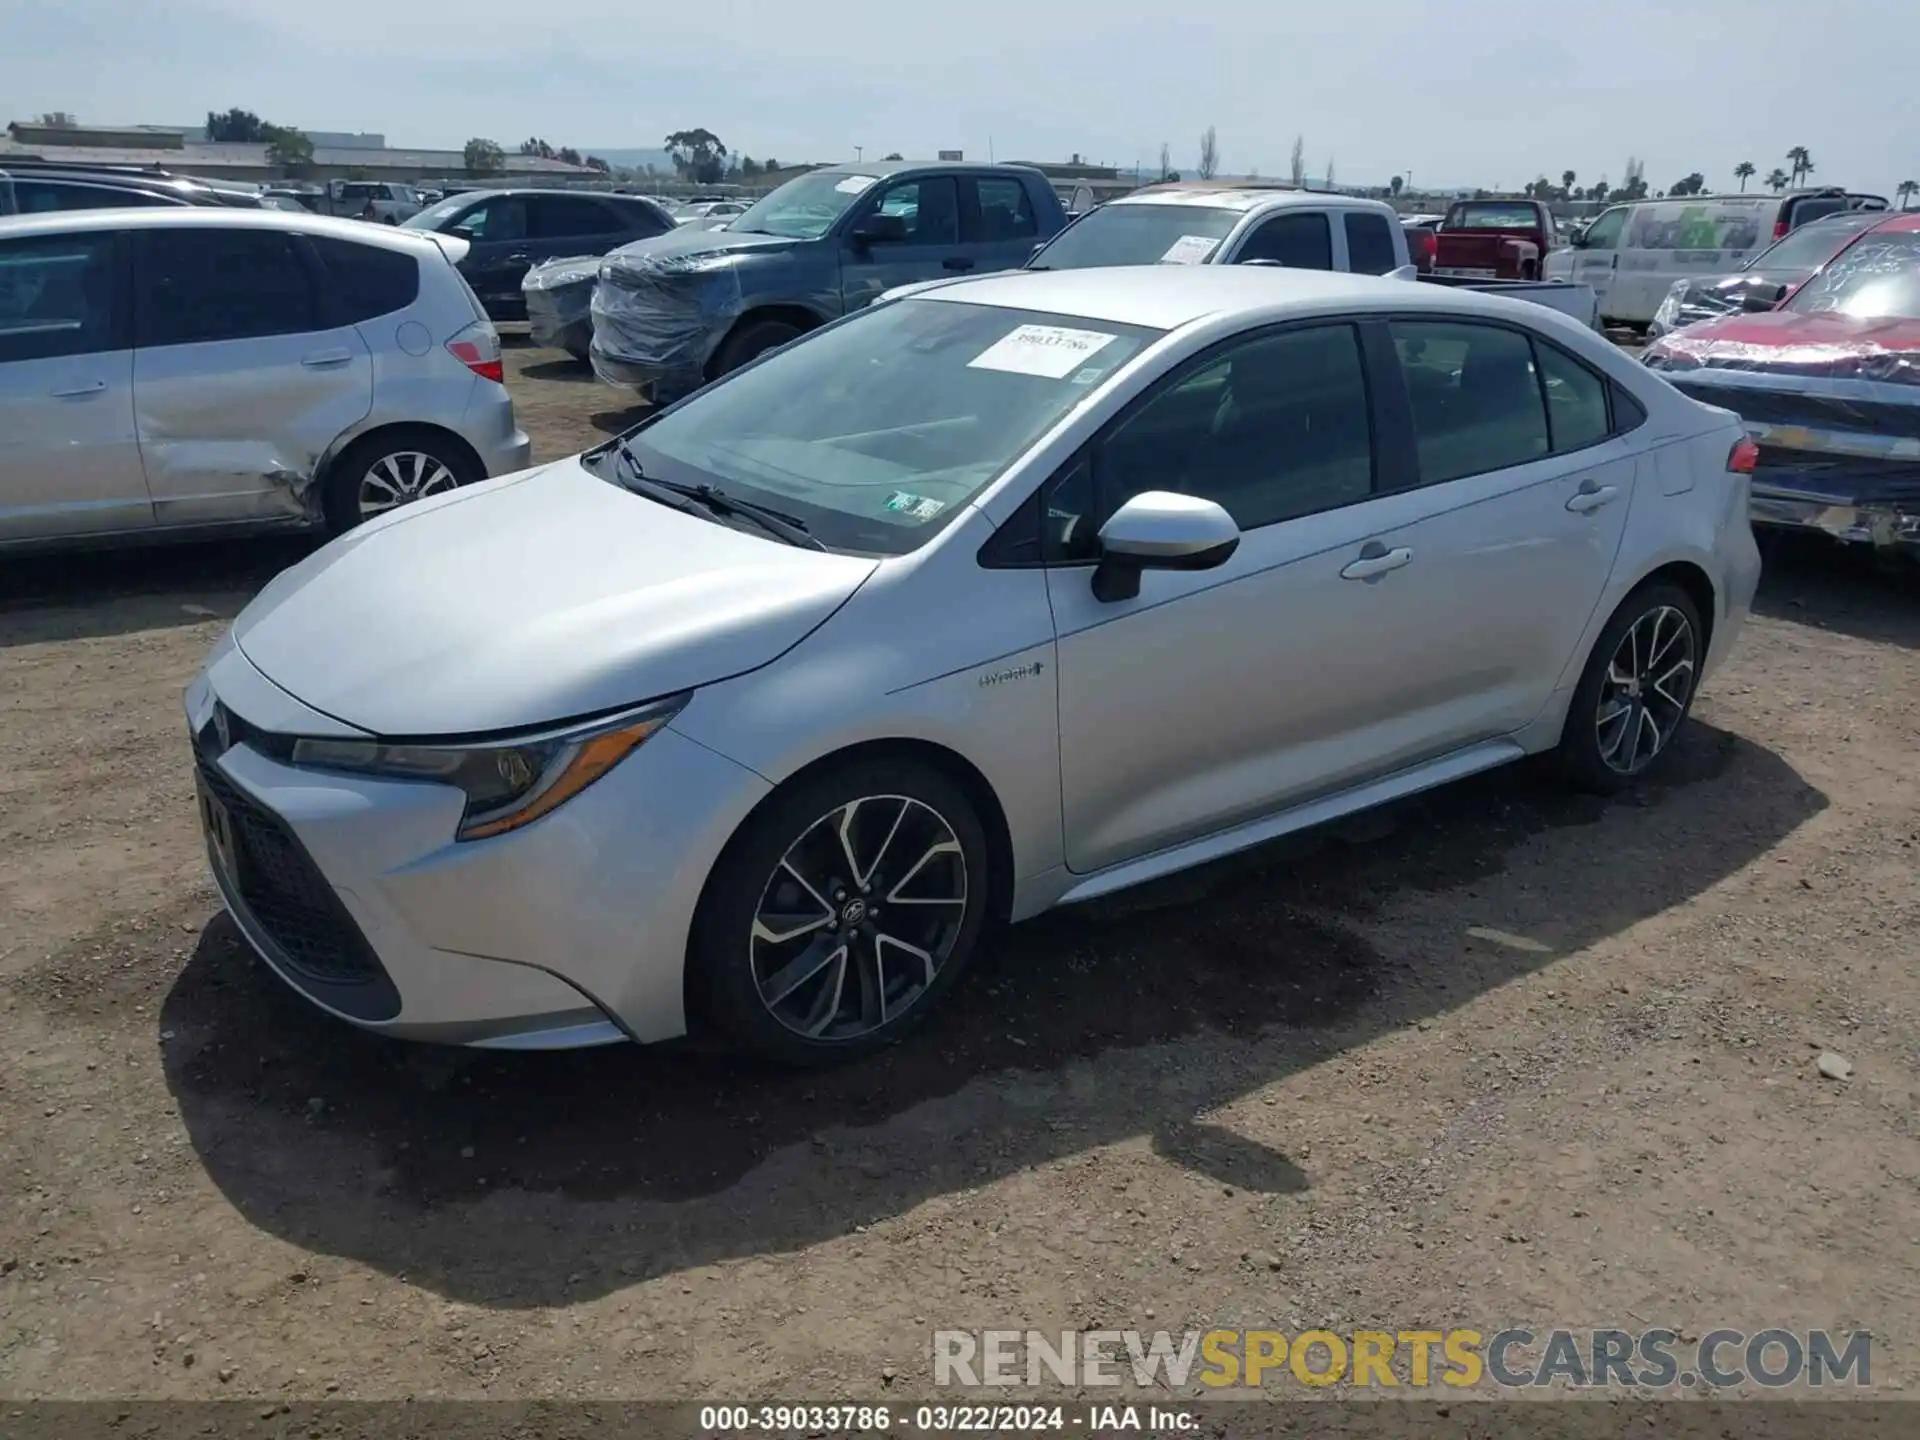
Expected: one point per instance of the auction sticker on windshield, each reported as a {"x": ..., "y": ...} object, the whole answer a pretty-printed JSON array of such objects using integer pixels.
[
  {"x": 915, "y": 507},
  {"x": 854, "y": 184},
  {"x": 1051, "y": 351},
  {"x": 1189, "y": 250}
]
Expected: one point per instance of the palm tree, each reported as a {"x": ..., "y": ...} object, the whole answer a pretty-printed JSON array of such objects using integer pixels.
[
  {"x": 1567, "y": 177},
  {"x": 1906, "y": 192},
  {"x": 1802, "y": 164},
  {"x": 1777, "y": 180},
  {"x": 1744, "y": 172}
]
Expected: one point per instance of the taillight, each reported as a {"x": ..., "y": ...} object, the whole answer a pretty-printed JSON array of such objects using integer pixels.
[
  {"x": 1780, "y": 228},
  {"x": 1423, "y": 246},
  {"x": 1744, "y": 458},
  {"x": 478, "y": 348}
]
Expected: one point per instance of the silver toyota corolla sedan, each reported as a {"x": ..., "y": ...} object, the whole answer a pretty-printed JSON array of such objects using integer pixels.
[{"x": 1007, "y": 595}]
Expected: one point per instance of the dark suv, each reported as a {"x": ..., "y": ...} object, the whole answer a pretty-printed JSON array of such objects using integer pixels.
[
  {"x": 511, "y": 231},
  {"x": 35, "y": 187}
]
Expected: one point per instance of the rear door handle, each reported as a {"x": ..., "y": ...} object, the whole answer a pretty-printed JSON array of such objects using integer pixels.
[
  {"x": 956, "y": 262},
  {"x": 1592, "y": 497},
  {"x": 326, "y": 359},
  {"x": 1376, "y": 560},
  {"x": 75, "y": 392}
]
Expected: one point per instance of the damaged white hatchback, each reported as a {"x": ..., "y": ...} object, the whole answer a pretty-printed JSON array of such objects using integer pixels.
[{"x": 170, "y": 373}]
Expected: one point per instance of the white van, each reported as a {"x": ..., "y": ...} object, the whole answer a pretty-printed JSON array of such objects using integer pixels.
[{"x": 1632, "y": 254}]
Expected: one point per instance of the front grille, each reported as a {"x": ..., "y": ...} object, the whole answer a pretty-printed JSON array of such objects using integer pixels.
[{"x": 287, "y": 895}]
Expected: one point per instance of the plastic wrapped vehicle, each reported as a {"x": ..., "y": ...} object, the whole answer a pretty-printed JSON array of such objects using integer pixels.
[{"x": 559, "y": 296}]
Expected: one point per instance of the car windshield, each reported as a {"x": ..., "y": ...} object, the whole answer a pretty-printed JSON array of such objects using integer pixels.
[
  {"x": 1877, "y": 279},
  {"x": 878, "y": 431},
  {"x": 434, "y": 216},
  {"x": 1139, "y": 234},
  {"x": 1813, "y": 245},
  {"x": 1493, "y": 217},
  {"x": 806, "y": 206}
]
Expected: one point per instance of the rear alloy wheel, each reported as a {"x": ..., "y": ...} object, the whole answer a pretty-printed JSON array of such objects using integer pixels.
[
  {"x": 846, "y": 910},
  {"x": 1637, "y": 690},
  {"x": 372, "y": 478}
]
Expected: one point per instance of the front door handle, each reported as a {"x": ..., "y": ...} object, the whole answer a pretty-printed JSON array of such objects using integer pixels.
[
  {"x": 76, "y": 392},
  {"x": 326, "y": 359},
  {"x": 1591, "y": 497},
  {"x": 519, "y": 260},
  {"x": 1376, "y": 560},
  {"x": 956, "y": 262}
]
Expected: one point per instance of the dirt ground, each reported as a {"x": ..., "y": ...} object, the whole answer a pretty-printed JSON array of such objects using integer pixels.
[{"x": 1503, "y": 1056}]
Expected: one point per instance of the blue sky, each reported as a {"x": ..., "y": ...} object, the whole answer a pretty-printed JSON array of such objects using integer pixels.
[{"x": 1453, "y": 94}]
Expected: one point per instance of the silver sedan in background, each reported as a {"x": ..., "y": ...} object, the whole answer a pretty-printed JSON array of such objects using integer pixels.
[{"x": 1009, "y": 594}]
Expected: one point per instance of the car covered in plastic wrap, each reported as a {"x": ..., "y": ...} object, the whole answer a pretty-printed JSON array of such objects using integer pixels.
[
  {"x": 1828, "y": 386},
  {"x": 1767, "y": 279},
  {"x": 559, "y": 297},
  {"x": 674, "y": 311}
]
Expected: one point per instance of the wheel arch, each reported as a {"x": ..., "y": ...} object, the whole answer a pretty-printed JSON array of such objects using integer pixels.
[
  {"x": 788, "y": 313},
  {"x": 1698, "y": 586}
]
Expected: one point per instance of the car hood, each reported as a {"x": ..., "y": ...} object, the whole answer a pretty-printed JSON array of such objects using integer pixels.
[
  {"x": 528, "y": 600},
  {"x": 687, "y": 243},
  {"x": 1827, "y": 347}
]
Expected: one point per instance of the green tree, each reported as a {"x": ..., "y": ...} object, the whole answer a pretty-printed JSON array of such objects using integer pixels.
[
  {"x": 483, "y": 157},
  {"x": 1635, "y": 185},
  {"x": 1692, "y": 184},
  {"x": 1744, "y": 172},
  {"x": 769, "y": 166},
  {"x": 698, "y": 155},
  {"x": 896, "y": 155},
  {"x": 568, "y": 155},
  {"x": 1396, "y": 185},
  {"x": 1297, "y": 161},
  {"x": 1777, "y": 180},
  {"x": 594, "y": 162},
  {"x": 236, "y": 125},
  {"x": 1567, "y": 177},
  {"x": 1802, "y": 164},
  {"x": 534, "y": 145},
  {"x": 1209, "y": 153},
  {"x": 1906, "y": 192},
  {"x": 287, "y": 148},
  {"x": 749, "y": 168}
]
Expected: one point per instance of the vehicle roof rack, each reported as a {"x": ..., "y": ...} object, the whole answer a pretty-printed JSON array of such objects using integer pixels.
[{"x": 10, "y": 161}]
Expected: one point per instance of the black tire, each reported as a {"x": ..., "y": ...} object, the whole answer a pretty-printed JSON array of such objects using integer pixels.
[
  {"x": 734, "y": 956},
  {"x": 750, "y": 342},
  {"x": 347, "y": 477},
  {"x": 1593, "y": 755}
]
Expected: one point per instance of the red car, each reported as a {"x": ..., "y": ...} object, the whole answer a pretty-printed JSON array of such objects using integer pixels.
[{"x": 1829, "y": 387}]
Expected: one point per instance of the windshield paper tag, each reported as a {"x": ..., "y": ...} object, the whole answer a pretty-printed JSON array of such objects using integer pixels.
[
  {"x": 1051, "y": 351},
  {"x": 914, "y": 507},
  {"x": 854, "y": 184},
  {"x": 1189, "y": 250}
]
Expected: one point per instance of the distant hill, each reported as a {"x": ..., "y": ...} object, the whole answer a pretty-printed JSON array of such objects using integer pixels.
[{"x": 632, "y": 159}]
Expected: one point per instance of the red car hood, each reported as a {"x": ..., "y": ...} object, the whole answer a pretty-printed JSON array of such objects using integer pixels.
[{"x": 1833, "y": 347}]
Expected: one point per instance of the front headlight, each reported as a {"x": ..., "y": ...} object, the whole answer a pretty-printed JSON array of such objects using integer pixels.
[{"x": 507, "y": 783}]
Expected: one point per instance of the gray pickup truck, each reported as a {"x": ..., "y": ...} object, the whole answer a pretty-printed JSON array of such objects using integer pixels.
[{"x": 679, "y": 309}]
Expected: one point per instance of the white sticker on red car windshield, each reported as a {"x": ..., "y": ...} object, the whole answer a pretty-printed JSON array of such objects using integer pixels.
[
  {"x": 1189, "y": 250},
  {"x": 854, "y": 184},
  {"x": 1052, "y": 351}
]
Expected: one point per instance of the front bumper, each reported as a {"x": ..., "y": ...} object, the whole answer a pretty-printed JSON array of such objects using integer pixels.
[{"x": 569, "y": 932}]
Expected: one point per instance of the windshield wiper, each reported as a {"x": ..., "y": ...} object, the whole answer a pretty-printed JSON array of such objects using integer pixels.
[{"x": 777, "y": 523}]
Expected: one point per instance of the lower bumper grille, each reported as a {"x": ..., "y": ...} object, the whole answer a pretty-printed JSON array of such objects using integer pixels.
[{"x": 288, "y": 898}]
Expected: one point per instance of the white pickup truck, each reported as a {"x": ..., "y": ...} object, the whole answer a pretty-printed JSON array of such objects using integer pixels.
[{"x": 1226, "y": 223}]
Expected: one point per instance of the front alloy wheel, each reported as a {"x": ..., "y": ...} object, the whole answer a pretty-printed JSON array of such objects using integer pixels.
[
  {"x": 1648, "y": 686},
  {"x": 858, "y": 917},
  {"x": 841, "y": 913}
]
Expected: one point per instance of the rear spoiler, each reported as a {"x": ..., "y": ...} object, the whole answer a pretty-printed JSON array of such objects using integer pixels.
[{"x": 452, "y": 246}]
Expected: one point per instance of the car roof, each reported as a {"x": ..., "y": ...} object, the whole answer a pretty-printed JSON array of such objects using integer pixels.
[
  {"x": 59, "y": 222},
  {"x": 882, "y": 168},
  {"x": 1165, "y": 297},
  {"x": 1240, "y": 197}
]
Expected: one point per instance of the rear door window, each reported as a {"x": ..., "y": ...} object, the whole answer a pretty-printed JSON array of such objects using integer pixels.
[
  {"x": 931, "y": 209},
  {"x": 366, "y": 281},
  {"x": 1369, "y": 244},
  {"x": 552, "y": 217},
  {"x": 195, "y": 285},
  {"x": 1005, "y": 212},
  {"x": 1475, "y": 395},
  {"x": 56, "y": 296},
  {"x": 1300, "y": 241}
]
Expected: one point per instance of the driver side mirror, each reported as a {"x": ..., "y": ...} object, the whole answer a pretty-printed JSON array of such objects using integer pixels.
[
  {"x": 1762, "y": 298},
  {"x": 881, "y": 228},
  {"x": 1160, "y": 530}
]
